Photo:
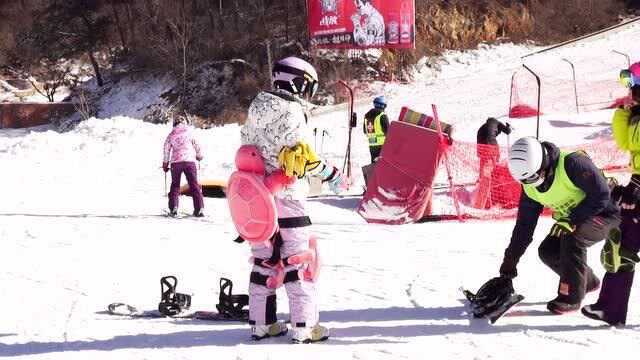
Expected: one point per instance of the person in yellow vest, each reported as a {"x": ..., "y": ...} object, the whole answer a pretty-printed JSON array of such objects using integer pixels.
[
  {"x": 620, "y": 254},
  {"x": 375, "y": 126},
  {"x": 578, "y": 194}
]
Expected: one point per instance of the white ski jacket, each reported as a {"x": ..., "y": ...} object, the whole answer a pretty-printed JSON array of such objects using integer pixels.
[{"x": 277, "y": 119}]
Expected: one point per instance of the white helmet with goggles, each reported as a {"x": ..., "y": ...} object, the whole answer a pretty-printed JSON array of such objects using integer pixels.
[
  {"x": 295, "y": 76},
  {"x": 527, "y": 159}
]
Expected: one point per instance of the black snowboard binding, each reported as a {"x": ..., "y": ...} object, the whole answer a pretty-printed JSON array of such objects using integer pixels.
[
  {"x": 231, "y": 306},
  {"x": 493, "y": 298},
  {"x": 171, "y": 302}
]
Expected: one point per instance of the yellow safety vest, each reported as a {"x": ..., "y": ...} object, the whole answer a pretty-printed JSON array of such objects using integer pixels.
[
  {"x": 377, "y": 137},
  {"x": 563, "y": 195},
  {"x": 627, "y": 136}
]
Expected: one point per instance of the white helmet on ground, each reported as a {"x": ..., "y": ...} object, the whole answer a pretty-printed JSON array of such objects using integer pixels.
[
  {"x": 526, "y": 160},
  {"x": 295, "y": 76}
]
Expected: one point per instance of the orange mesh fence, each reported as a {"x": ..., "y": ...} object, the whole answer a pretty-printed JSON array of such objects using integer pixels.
[{"x": 483, "y": 185}]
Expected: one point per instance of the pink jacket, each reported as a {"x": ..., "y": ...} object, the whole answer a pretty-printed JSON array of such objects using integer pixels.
[{"x": 181, "y": 145}]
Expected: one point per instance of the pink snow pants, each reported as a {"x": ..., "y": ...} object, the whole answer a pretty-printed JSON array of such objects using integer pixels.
[{"x": 302, "y": 294}]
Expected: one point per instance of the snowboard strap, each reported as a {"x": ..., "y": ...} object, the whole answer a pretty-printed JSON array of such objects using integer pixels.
[
  {"x": 259, "y": 279},
  {"x": 231, "y": 305},
  {"x": 171, "y": 302},
  {"x": 286, "y": 223},
  {"x": 283, "y": 223}
]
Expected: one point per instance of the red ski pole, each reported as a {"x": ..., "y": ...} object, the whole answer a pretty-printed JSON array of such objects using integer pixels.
[{"x": 446, "y": 162}]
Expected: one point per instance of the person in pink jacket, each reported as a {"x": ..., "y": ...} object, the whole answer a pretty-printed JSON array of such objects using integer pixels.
[{"x": 181, "y": 151}]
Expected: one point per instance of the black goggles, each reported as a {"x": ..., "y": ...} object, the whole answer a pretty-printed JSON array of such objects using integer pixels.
[
  {"x": 303, "y": 82},
  {"x": 532, "y": 179}
]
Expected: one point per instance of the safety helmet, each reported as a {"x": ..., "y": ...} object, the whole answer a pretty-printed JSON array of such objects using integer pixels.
[
  {"x": 631, "y": 77},
  {"x": 527, "y": 160},
  {"x": 295, "y": 76},
  {"x": 380, "y": 102}
]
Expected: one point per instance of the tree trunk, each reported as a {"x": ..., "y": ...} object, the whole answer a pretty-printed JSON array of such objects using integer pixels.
[
  {"x": 96, "y": 68},
  {"x": 131, "y": 23},
  {"x": 152, "y": 17},
  {"x": 119, "y": 26}
]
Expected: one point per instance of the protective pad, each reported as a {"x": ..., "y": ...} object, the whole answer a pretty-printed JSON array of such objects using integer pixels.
[{"x": 252, "y": 207}]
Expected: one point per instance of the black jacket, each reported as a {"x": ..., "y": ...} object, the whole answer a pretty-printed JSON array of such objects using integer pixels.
[
  {"x": 489, "y": 131},
  {"x": 586, "y": 176},
  {"x": 371, "y": 115}
]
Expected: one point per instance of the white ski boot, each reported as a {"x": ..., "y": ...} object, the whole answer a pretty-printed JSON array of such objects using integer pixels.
[
  {"x": 259, "y": 332},
  {"x": 307, "y": 335}
]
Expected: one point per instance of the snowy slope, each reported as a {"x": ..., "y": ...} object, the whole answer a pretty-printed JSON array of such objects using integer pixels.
[{"x": 80, "y": 228}]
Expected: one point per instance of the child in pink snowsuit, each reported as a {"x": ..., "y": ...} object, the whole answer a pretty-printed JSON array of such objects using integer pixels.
[
  {"x": 181, "y": 150},
  {"x": 276, "y": 120}
]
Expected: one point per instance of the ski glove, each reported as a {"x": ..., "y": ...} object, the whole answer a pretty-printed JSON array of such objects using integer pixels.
[
  {"x": 615, "y": 257},
  {"x": 297, "y": 160},
  {"x": 508, "y": 268},
  {"x": 562, "y": 228},
  {"x": 492, "y": 290},
  {"x": 631, "y": 194},
  {"x": 332, "y": 176},
  {"x": 165, "y": 166}
]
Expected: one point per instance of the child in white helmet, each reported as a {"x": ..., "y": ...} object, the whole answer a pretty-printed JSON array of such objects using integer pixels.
[{"x": 277, "y": 126}]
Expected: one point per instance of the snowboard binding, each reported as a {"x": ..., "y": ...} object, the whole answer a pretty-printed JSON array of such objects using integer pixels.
[
  {"x": 171, "y": 302},
  {"x": 231, "y": 306},
  {"x": 493, "y": 299}
]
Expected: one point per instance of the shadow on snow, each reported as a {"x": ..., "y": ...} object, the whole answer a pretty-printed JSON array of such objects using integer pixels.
[{"x": 340, "y": 336}]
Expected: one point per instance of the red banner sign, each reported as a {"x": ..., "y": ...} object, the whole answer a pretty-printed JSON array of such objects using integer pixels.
[{"x": 362, "y": 24}]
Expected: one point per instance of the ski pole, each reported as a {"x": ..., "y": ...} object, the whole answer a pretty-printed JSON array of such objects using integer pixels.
[
  {"x": 165, "y": 184},
  {"x": 315, "y": 138}
]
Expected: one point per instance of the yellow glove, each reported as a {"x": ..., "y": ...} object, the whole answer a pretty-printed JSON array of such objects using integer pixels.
[{"x": 298, "y": 159}]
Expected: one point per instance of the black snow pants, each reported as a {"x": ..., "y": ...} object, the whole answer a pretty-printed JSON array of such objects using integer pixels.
[{"x": 567, "y": 256}]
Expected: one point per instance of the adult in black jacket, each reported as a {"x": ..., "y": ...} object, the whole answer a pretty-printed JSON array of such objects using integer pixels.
[
  {"x": 489, "y": 131},
  {"x": 578, "y": 193},
  {"x": 489, "y": 155}
]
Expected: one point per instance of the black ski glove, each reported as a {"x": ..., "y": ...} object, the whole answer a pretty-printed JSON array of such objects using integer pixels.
[
  {"x": 631, "y": 194},
  {"x": 508, "y": 268},
  {"x": 508, "y": 129},
  {"x": 492, "y": 290}
]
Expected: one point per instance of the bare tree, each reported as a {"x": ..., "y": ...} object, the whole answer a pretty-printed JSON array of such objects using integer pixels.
[{"x": 49, "y": 76}]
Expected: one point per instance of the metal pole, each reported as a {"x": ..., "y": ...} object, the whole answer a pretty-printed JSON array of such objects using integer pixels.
[
  {"x": 513, "y": 77},
  {"x": 625, "y": 55},
  {"x": 346, "y": 167},
  {"x": 583, "y": 37},
  {"x": 575, "y": 87},
  {"x": 538, "y": 109},
  {"x": 446, "y": 162}
]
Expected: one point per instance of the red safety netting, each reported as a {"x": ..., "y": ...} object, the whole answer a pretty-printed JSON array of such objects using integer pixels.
[{"x": 483, "y": 185}]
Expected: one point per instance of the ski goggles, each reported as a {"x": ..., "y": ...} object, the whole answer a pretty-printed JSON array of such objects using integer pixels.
[
  {"x": 536, "y": 179},
  {"x": 300, "y": 79},
  {"x": 628, "y": 79}
]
